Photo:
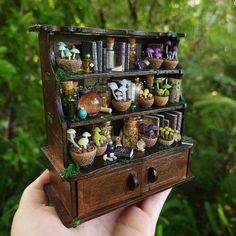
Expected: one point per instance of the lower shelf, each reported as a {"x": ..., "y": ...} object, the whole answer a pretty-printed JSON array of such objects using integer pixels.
[{"x": 117, "y": 186}]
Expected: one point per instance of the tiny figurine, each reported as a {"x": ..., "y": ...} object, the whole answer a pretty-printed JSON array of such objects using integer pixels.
[
  {"x": 100, "y": 141},
  {"x": 171, "y": 60},
  {"x": 166, "y": 136},
  {"x": 117, "y": 140},
  {"x": 110, "y": 147},
  {"x": 141, "y": 145},
  {"x": 148, "y": 133},
  {"x": 85, "y": 153},
  {"x": 82, "y": 113},
  {"x": 120, "y": 101},
  {"x": 145, "y": 99},
  {"x": 162, "y": 92},
  {"x": 68, "y": 60},
  {"x": 87, "y": 63}
]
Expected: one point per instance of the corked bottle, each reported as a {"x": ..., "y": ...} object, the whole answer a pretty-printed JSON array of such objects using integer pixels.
[
  {"x": 110, "y": 53},
  {"x": 69, "y": 102},
  {"x": 130, "y": 132},
  {"x": 132, "y": 57}
]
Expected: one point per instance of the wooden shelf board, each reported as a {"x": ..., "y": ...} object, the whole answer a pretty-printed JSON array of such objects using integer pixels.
[{"x": 101, "y": 117}]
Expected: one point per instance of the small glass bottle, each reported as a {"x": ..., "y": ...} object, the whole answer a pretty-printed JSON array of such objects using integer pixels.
[
  {"x": 138, "y": 87},
  {"x": 132, "y": 57},
  {"x": 110, "y": 53},
  {"x": 69, "y": 102},
  {"x": 130, "y": 132}
]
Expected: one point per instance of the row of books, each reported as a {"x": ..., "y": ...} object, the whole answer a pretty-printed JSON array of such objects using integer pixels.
[
  {"x": 98, "y": 53},
  {"x": 173, "y": 119}
]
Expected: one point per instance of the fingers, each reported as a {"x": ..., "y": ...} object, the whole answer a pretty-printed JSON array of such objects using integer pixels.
[{"x": 34, "y": 194}]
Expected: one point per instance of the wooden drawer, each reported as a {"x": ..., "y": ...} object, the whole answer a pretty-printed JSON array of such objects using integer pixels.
[
  {"x": 163, "y": 170},
  {"x": 108, "y": 188}
]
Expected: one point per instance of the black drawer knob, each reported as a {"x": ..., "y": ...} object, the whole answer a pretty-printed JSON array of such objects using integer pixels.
[
  {"x": 152, "y": 174},
  {"x": 132, "y": 182}
]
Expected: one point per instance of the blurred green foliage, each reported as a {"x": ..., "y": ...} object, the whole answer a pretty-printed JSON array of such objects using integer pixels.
[{"x": 206, "y": 206}]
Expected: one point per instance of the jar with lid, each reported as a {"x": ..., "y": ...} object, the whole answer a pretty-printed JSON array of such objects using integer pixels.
[
  {"x": 69, "y": 102},
  {"x": 130, "y": 132}
]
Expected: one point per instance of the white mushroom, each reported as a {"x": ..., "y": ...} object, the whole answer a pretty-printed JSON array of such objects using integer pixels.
[
  {"x": 113, "y": 86},
  {"x": 62, "y": 48},
  {"x": 86, "y": 135},
  {"x": 119, "y": 95},
  {"x": 123, "y": 89},
  {"x": 71, "y": 134},
  {"x": 83, "y": 142},
  {"x": 68, "y": 53},
  {"x": 74, "y": 51}
]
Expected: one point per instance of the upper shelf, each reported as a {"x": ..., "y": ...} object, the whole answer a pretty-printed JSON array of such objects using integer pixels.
[
  {"x": 176, "y": 73},
  {"x": 119, "y": 115},
  {"x": 95, "y": 31}
]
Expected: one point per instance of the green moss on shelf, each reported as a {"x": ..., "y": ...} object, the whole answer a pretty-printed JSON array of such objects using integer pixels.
[
  {"x": 70, "y": 171},
  {"x": 76, "y": 222}
]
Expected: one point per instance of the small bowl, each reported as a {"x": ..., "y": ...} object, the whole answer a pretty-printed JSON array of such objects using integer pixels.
[
  {"x": 85, "y": 158},
  {"x": 145, "y": 103},
  {"x": 155, "y": 63},
  {"x": 170, "y": 64},
  {"x": 150, "y": 142},
  {"x": 101, "y": 150},
  {"x": 160, "y": 100},
  {"x": 165, "y": 142},
  {"x": 70, "y": 65},
  {"x": 121, "y": 105}
]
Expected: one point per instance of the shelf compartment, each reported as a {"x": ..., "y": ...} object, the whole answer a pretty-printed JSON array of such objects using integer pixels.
[{"x": 118, "y": 116}]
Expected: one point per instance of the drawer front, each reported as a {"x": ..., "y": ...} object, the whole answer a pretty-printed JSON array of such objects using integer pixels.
[
  {"x": 164, "y": 170},
  {"x": 104, "y": 190}
]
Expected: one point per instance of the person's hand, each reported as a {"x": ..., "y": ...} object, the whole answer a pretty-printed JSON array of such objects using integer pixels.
[{"x": 35, "y": 218}]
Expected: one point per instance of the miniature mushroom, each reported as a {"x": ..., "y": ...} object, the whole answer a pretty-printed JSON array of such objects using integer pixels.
[
  {"x": 83, "y": 142},
  {"x": 86, "y": 135},
  {"x": 68, "y": 53},
  {"x": 62, "y": 48},
  {"x": 175, "y": 53},
  {"x": 74, "y": 51},
  {"x": 113, "y": 86},
  {"x": 123, "y": 89},
  {"x": 61, "y": 43},
  {"x": 168, "y": 44},
  {"x": 149, "y": 51},
  {"x": 71, "y": 133},
  {"x": 119, "y": 95}
]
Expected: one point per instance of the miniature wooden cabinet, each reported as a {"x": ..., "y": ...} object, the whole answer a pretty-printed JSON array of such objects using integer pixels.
[{"x": 105, "y": 186}]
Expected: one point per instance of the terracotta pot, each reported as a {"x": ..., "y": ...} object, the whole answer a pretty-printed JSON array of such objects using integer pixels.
[
  {"x": 165, "y": 142},
  {"x": 161, "y": 100},
  {"x": 145, "y": 103},
  {"x": 101, "y": 150},
  {"x": 150, "y": 142},
  {"x": 155, "y": 63},
  {"x": 85, "y": 158},
  {"x": 121, "y": 105},
  {"x": 170, "y": 64},
  {"x": 70, "y": 65}
]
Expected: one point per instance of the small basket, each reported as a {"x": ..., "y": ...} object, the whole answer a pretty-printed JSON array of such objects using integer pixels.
[
  {"x": 101, "y": 150},
  {"x": 161, "y": 100},
  {"x": 165, "y": 142},
  {"x": 170, "y": 64},
  {"x": 85, "y": 158},
  {"x": 121, "y": 105},
  {"x": 150, "y": 142},
  {"x": 145, "y": 103},
  {"x": 155, "y": 63},
  {"x": 70, "y": 65}
]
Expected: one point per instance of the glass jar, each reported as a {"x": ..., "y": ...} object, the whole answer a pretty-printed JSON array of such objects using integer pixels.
[
  {"x": 105, "y": 95},
  {"x": 130, "y": 132},
  {"x": 106, "y": 130}
]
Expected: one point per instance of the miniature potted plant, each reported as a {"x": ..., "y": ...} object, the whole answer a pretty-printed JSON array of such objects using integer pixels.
[
  {"x": 120, "y": 102},
  {"x": 100, "y": 141},
  {"x": 148, "y": 133},
  {"x": 84, "y": 151},
  {"x": 162, "y": 92},
  {"x": 171, "y": 60},
  {"x": 69, "y": 59},
  {"x": 166, "y": 136},
  {"x": 154, "y": 57},
  {"x": 145, "y": 99}
]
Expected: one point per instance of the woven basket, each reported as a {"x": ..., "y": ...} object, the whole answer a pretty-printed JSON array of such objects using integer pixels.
[
  {"x": 70, "y": 65},
  {"x": 170, "y": 64},
  {"x": 161, "y": 100},
  {"x": 150, "y": 142},
  {"x": 145, "y": 103},
  {"x": 83, "y": 159},
  {"x": 121, "y": 105},
  {"x": 165, "y": 142},
  {"x": 155, "y": 63},
  {"x": 101, "y": 150}
]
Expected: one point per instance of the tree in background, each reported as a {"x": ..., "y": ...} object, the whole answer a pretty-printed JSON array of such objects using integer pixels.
[{"x": 203, "y": 207}]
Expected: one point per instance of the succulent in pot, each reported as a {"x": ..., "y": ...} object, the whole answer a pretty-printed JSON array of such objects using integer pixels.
[
  {"x": 100, "y": 141},
  {"x": 148, "y": 133},
  {"x": 69, "y": 59},
  {"x": 120, "y": 102},
  {"x": 145, "y": 99},
  {"x": 154, "y": 57},
  {"x": 162, "y": 92},
  {"x": 84, "y": 151},
  {"x": 171, "y": 60},
  {"x": 166, "y": 136}
]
